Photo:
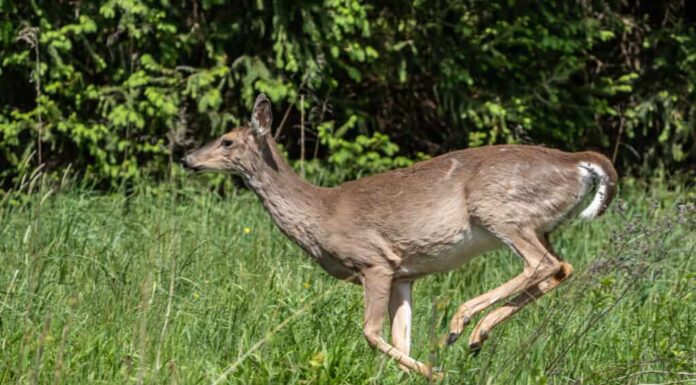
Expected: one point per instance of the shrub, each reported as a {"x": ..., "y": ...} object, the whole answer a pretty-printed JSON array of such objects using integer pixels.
[{"x": 119, "y": 89}]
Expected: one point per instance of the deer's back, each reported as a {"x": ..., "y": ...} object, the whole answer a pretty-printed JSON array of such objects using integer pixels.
[{"x": 430, "y": 207}]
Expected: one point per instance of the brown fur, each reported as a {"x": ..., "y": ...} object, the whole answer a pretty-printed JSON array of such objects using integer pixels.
[{"x": 389, "y": 229}]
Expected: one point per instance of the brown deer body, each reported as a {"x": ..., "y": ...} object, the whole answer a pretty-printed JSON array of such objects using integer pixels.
[{"x": 385, "y": 231}]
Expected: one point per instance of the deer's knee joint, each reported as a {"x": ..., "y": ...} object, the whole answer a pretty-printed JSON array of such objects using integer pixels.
[
  {"x": 372, "y": 337},
  {"x": 543, "y": 270},
  {"x": 564, "y": 272}
]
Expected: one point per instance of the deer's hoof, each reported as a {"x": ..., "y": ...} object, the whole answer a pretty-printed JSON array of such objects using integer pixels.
[
  {"x": 452, "y": 338},
  {"x": 436, "y": 374},
  {"x": 475, "y": 348},
  {"x": 476, "y": 340}
]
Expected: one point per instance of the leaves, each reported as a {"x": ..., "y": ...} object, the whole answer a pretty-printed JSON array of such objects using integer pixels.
[{"x": 428, "y": 77}]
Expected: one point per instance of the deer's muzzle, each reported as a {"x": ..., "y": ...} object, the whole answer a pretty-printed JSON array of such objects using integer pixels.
[{"x": 187, "y": 164}]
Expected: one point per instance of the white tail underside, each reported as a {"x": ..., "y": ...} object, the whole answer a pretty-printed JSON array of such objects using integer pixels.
[{"x": 600, "y": 176}]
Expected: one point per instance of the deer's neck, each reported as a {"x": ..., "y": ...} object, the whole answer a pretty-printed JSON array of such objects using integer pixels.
[{"x": 295, "y": 205}]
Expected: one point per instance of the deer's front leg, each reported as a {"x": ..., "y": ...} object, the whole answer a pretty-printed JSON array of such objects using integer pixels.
[
  {"x": 377, "y": 282},
  {"x": 400, "y": 316}
]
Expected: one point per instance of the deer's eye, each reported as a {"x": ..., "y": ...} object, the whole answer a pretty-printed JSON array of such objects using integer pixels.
[{"x": 227, "y": 143}]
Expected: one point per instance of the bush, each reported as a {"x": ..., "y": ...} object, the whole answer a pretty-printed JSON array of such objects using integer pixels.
[{"x": 119, "y": 89}]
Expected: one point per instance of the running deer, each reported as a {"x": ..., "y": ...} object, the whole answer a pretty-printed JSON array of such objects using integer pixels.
[{"x": 387, "y": 230}]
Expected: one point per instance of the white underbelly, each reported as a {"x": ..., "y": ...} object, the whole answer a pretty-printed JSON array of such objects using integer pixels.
[{"x": 451, "y": 255}]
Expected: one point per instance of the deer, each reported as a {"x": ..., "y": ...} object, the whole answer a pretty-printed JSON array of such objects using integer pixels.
[{"x": 385, "y": 231}]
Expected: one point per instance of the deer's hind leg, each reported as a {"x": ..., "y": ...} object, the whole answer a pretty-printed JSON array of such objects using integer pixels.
[
  {"x": 539, "y": 264},
  {"x": 495, "y": 317}
]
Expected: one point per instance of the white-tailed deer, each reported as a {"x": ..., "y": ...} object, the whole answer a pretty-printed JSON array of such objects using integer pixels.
[{"x": 385, "y": 231}]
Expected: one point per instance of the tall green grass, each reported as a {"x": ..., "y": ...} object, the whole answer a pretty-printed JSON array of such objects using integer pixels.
[{"x": 182, "y": 286}]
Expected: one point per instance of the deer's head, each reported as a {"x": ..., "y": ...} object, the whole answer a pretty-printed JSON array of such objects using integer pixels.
[{"x": 238, "y": 151}]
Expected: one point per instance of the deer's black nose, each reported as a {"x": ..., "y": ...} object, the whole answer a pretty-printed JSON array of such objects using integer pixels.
[
  {"x": 188, "y": 164},
  {"x": 185, "y": 163}
]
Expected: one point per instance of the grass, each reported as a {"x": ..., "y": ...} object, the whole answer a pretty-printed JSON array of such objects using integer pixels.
[{"x": 181, "y": 286}]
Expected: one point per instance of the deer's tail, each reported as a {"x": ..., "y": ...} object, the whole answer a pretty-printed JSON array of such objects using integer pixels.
[{"x": 603, "y": 173}]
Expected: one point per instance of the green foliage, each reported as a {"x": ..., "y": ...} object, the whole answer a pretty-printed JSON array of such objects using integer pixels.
[
  {"x": 352, "y": 159},
  {"x": 124, "y": 86},
  {"x": 93, "y": 290}
]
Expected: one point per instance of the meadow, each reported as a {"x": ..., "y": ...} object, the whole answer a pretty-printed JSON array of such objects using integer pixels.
[{"x": 178, "y": 285}]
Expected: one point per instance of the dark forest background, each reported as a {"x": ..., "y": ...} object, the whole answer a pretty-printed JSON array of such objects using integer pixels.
[{"x": 120, "y": 89}]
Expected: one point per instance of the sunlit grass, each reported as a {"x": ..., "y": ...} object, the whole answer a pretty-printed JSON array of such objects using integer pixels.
[{"x": 182, "y": 286}]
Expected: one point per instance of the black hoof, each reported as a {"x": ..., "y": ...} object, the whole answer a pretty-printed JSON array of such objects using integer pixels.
[
  {"x": 474, "y": 349},
  {"x": 452, "y": 338}
]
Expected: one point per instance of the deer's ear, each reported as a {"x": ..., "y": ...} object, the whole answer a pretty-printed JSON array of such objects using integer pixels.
[{"x": 261, "y": 117}]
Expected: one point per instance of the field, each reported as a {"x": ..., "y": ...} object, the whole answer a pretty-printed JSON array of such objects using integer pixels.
[{"x": 178, "y": 285}]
